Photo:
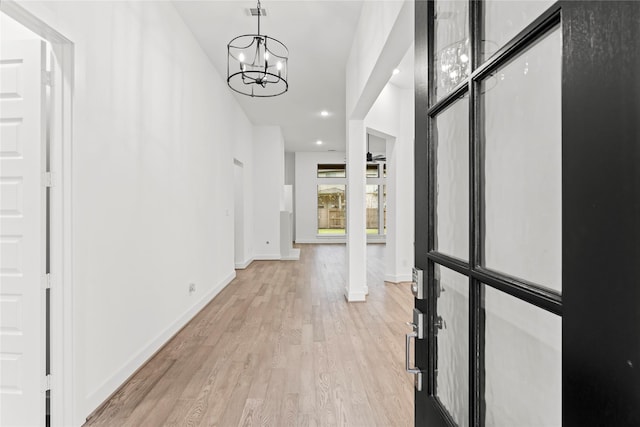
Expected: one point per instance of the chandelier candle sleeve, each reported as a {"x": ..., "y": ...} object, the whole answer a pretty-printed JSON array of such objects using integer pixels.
[{"x": 257, "y": 64}]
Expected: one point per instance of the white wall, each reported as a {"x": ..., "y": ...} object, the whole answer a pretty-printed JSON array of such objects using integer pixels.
[
  {"x": 384, "y": 32},
  {"x": 383, "y": 35},
  {"x": 384, "y": 115},
  {"x": 243, "y": 153},
  {"x": 290, "y": 179},
  {"x": 290, "y": 168},
  {"x": 12, "y": 30},
  {"x": 393, "y": 115},
  {"x": 268, "y": 190},
  {"x": 376, "y": 22},
  {"x": 306, "y": 194},
  {"x": 241, "y": 253},
  {"x": 153, "y": 137}
]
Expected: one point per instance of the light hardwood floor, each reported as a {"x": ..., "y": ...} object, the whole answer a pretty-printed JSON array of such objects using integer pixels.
[{"x": 280, "y": 346}]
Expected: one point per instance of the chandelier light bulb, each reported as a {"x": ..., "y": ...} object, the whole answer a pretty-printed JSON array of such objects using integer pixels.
[
  {"x": 279, "y": 65},
  {"x": 464, "y": 57},
  {"x": 241, "y": 57}
]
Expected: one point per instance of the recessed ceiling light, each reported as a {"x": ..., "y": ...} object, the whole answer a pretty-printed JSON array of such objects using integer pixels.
[
  {"x": 324, "y": 113},
  {"x": 396, "y": 71},
  {"x": 319, "y": 142}
]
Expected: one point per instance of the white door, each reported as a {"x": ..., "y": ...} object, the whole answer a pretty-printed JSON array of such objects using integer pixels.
[{"x": 22, "y": 233}]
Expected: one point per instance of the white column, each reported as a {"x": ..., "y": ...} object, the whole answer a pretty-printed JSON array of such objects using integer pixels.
[
  {"x": 391, "y": 250},
  {"x": 356, "y": 289},
  {"x": 405, "y": 185},
  {"x": 400, "y": 196}
]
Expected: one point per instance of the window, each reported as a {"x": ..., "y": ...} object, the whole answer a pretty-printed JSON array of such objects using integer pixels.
[
  {"x": 332, "y": 209},
  {"x": 373, "y": 217},
  {"x": 332, "y": 200},
  {"x": 376, "y": 199},
  {"x": 332, "y": 170}
]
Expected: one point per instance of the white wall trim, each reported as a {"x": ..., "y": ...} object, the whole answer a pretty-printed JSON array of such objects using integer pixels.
[
  {"x": 374, "y": 240},
  {"x": 360, "y": 296},
  {"x": 113, "y": 384},
  {"x": 294, "y": 255},
  {"x": 267, "y": 257},
  {"x": 245, "y": 264},
  {"x": 334, "y": 241},
  {"x": 322, "y": 240},
  {"x": 397, "y": 278}
]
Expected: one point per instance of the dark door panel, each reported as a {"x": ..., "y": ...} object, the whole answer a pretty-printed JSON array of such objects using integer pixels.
[{"x": 527, "y": 193}]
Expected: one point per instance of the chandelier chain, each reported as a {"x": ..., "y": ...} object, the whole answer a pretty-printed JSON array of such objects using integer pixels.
[{"x": 259, "y": 14}]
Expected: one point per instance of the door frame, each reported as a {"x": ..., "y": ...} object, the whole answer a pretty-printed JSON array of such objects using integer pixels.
[
  {"x": 600, "y": 301},
  {"x": 61, "y": 318}
]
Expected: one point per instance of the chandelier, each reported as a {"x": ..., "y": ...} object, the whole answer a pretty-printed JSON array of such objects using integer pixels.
[{"x": 257, "y": 64}]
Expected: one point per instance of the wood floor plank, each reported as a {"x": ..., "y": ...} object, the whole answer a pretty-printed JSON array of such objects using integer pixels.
[
  {"x": 251, "y": 413},
  {"x": 280, "y": 346}
]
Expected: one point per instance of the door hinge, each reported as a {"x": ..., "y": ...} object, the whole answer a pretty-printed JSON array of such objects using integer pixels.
[
  {"x": 47, "y": 382},
  {"x": 47, "y": 79},
  {"x": 47, "y": 281},
  {"x": 48, "y": 179}
]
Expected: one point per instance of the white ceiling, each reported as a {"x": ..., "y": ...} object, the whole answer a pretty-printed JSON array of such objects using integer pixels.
[{"x": 318, "y": 34}]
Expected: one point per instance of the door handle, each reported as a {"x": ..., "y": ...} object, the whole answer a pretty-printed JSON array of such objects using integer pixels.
[
  {"x": 412, "y": 370},
  {"x": 408, "y": 367}
]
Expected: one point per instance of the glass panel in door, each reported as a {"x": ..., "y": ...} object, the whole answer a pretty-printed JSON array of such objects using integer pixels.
[
  {"x": 452, "y": 59},
  {"x": 452, "y": 341},
  {"x": 522, "y": 165},
  {"x": 523, "y": 363},
  {"x": 503, "y": 20},
  {"x": 451, "y": 136}
]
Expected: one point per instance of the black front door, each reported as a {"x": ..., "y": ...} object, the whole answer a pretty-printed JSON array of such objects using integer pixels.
[{"x": 528, "y": 212}]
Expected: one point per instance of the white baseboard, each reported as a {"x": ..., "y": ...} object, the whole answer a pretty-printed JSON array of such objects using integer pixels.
[
  {"x": 267, "y": 257},
  {"x": 323, "y": 240},
  {"x": 96, "y": 398},
  {"x": 397, "y": 278},
  {"x": 243, "y": 265},
  {"x": 356, "y": 296},
  {"x": 334, "y": 240},
  {"x": 294, "y": 255},
  {"x": 376, "y": 241}
]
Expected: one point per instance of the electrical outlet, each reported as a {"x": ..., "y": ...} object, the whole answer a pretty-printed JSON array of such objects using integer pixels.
[{"x": 192, "y": 288}]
